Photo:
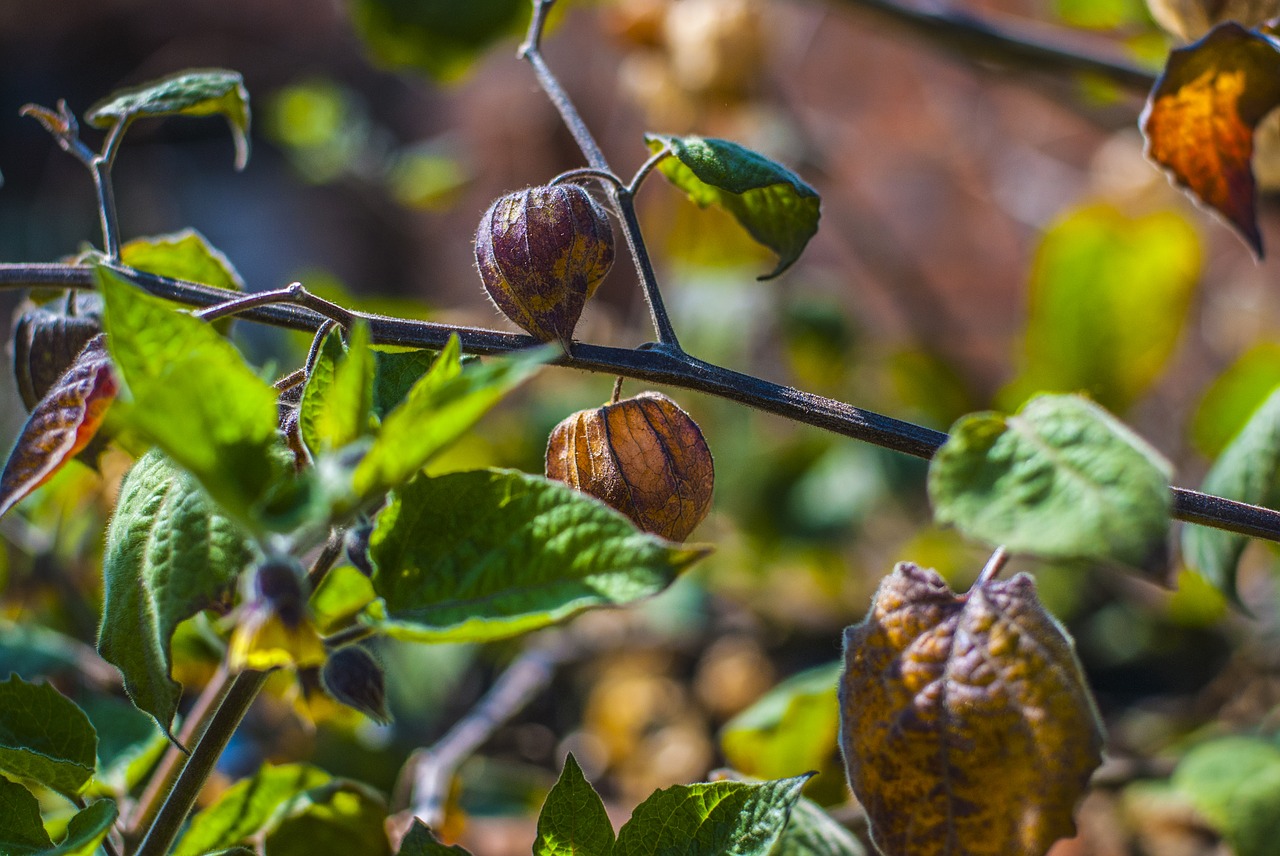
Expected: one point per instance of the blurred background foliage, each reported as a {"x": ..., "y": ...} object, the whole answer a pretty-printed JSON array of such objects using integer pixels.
[{"x": 984, "y": 236}]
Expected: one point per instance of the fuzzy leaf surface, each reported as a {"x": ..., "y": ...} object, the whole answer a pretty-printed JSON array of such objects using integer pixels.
[
  {"x": 771, "y": 202},
  {"x": 420, "y": 842},
  {"x": 197, "y": 92},
  {"x": 1201, "y": 116},
  {"x": 966, "y": 720},
  {"x": 170, "y": 554},
  {"x": 21, "y": 832},
  {"x": 484, "y": 555},
  {"x": 184, "y": 255},
  {"x": 1235, "y": 783},
  {"x": 45, "y": 737},
  {"x": 61, "y": 425},
  {"x": 813, "y": 832},
  {"x": 790, "y": 730},
  {"x": 338, "y": 398},
  {"x": 1062, "y": 478},
  {"x": 710, "y": 819},
  {"x": 573, "y": 820},
  {"x": 248, "y": 807}
]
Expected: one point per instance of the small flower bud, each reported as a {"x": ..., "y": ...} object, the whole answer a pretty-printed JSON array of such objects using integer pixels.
[
  {"x": 643, "y": 456},
  {"x": 541, "y": 253},
  {"x": 353, "y": 677}
]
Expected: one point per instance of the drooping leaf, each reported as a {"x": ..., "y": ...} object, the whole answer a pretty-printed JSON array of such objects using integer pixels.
[
  {"x": 338, "y": 399},
  {"x": 420, "y": 842},
  {"x": 21, "y": 832},
  {"x": 438, "y": 37},
  {"x": 61, "y": 425},
  {"x": 1062, "y": 478},
  {"x": 484, "y": 555},
  {"x": 46, "y": 341},
  {"x": 1095, "y": 271},
  {"x": 1248, "y": 470},
  {"x": 710, "y": 819},
  {"x": 346, "y": 816},
  {"x": 1201, "y": 115},
  {"x": 45, "y": 737},
  {"x": 442, "y": 406},
  {"x": 86, "y": 830},
  {"x": 394, "y": 374},
  {"x": 197, "y": 92},
  {"x": 772, "y": 203},
  {"x": 248, "y": 807},
  {"x": 790, "y": 730},
  {"x": 1234, "y": 396},
  {"x": 186, "y": 255},
  {"x": 169, "y": 555},
  {"x": 965, "y": 720},
  {"x": 813, "y": 832},
  {"x": 194, "y": 396},
  {"x": 573, "y": 820},
  {"x": 1235, "y": 783}
]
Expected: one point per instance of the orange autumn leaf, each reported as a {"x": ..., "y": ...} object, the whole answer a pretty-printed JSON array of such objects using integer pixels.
[
  {"x": 61, "y": 424},
  {"x": 966, "y": 724},
  {"x": 1201, "y": 115}
]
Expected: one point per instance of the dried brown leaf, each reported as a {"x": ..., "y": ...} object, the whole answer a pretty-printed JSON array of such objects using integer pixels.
[
  {"x": 1201, "y": 115},
  {"x": 966, "y": 724},
  {"x": 62, "y": 423}
]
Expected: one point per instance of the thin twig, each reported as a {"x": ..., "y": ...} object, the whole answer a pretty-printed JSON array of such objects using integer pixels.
[
  {"x": 587, "y": 172},
  {"x": 993, "y": 567},
  {"x": 647, "y": 167},
  {"x": 289, "y": 294}
]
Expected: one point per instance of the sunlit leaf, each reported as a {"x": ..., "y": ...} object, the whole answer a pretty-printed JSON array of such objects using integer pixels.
[
  {"x": 186, "y": 255},
  {"x": 1200, "y": 119},
  {"x": 420, "y": 842},
  {"x": 338, "y": 399},
  {"x": 1062, "y": 478},
  {"x": 966, "y": 720},
  {"x": 1108, "y": 301},
  {"x": 790, "y": 730},
  {"x": 394, "y": 374},
  {"x": 710, "y": 819},
  {"x": 86, "y": 830},
  {"x": 45, "y": 737},
  {"x": 484, "y": 555},
  {"x": 573, "y": 821},
  {"x": 62, "y": 423},
  {"x": 813, "y": 832},
  {"x": 772, "y": 203},
  {"x": 439, "y": 37},
  {"x": 1234, "y": 782},
  {"x": 248, "y": 808},
  {"x": 346, "y": 816},
  {"x": 169, "y": 555},
  {"x": 1233, "y": 397},
  {"x": 197, "y": 92},
  {"x": 21, "y": 832},
  {"x": 341, "y": 596}
]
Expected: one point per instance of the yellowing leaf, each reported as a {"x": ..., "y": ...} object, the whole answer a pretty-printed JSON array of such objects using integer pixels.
[
  {"x": 1200, "y": 119},
  {"x": 965, "y": 720}
]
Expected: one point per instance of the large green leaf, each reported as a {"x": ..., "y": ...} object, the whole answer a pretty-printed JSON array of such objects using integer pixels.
[
  {"x": 347, "y": 817},
  {"x": 45, "y": 737},
  {"x": 1248, "y": 470},
  {"x": 338, "y": 399},
  {"x": 420, "y": 842},
  {"x": 197, "y": 92},
  {"x": 573, "y": 821},
  {"x": 86, "y": 830},
  {"x": 21, "y": 832},
  {"x": 169, "y": 555},
  {"x": 1235, "y": 783},
  {"x": 440, "y": 407},
  {"x": 249, "y": 808},
  {"x": 770, "y": 201},
  {"x": 1061, "y": 479},
  {"x": 710, "y": 819},
  {"x": 1096, "y": 272},
  {"x": 439, "y": 37},
  {"x": 488, "y": 554},
  {"x": 196, "y": 398},
  {"x": 813, "y": 832},
  {"x": 182, "y": 255},
  {"x": 791, "y": 730}
]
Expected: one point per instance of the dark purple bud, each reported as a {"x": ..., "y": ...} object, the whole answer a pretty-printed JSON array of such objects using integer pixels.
[{"x": 354, "y": 678}]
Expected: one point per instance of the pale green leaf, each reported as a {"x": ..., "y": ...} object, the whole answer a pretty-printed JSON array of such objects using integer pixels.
[
  {"x": 249, "y": 807},
  {"x": 1062, "y": 479},
  {"x": 45, "y": 737},
  {"x": 86, "y": 830},
  {"x": 791, "y": 730},
  {"x": 1236, "y": 393},
  {"x": 185, "y": 255},
  {"x": 338, "y": 399},
  {"x": 347, "y": 817},
  {"x": 573, "y": 820},
  {"x": 1234, "y": 782},
  {"x": 770, "y": 201},
  {"x": 21, "y": 832},
  {"x": 813, "y": 832},
  {"x": 341, "y": 596},
  {"x": 169, "y": 555},
  {"x": 484, "y": 555}
]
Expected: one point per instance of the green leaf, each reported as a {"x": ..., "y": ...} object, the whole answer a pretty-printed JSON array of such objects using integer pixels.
[
  {"x": 1096, "y": 271},
  {"x": 33, "y": 651},
  {"x": 182, "y": 255},
  {"x": 1061, "y": 479},
  {"x": 420, "y": 842},
  {"x": 338, "y": 398},
  {"x": 710, "y": 819},
  {"x": 770, "y": 201},
  {"x": 792, "y": 729},
  {"x": 442, "y": 406},
  {"x": 1235, "y": 783},
  {"x": 196, "y": 398},
  {"x": 812, "y": 832},
  {"x": 484, "y": 555},
  {"x": 45, "y": 737},
  {"x": 1234, "y": 396},
  {"x": 21, "y": 832},
  {"x": 439, "y": 37},
  {"x": 86, "y": 830},
  {"x": 169, "y": 555},
  {"x": 341, "y": 596},
  {"x": 248, "y": 807},
  {"x": 347, "y": 817},
  {"x": 197, "y": 92},
  {"x": 573, "y": 821},
  {"x": 129, "y": 744},
  {"x": 1248, "y": 470},
  {"x": 394, "y": 374}
]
